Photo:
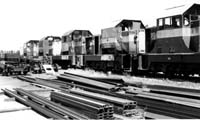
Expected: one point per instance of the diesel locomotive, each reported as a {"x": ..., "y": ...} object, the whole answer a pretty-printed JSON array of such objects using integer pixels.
[
  {"x": 171, "y": 47},
  {"x": 174, "y": 43}
]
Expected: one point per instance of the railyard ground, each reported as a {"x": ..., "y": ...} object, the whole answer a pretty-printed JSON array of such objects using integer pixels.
[{"x": 10, "y": 109}]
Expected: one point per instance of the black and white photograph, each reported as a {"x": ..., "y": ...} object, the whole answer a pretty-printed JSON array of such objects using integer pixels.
[{"x": 99, "y": 59}]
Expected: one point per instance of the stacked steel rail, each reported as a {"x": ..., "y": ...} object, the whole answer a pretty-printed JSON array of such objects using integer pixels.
[
  {"x": 93, "y": 108},
  {"x": 37, "y": 107},
  {"x": 51, "y": 105},
  {"x": 153, "y": 103},
  {"x": 168, "y": 105},
  {"x": 156, "y": 104},
  {"x": 121, "y": 106}
]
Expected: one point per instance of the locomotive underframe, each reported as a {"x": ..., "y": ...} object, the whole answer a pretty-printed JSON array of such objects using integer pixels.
[
  {"x": 121, "y": 62},
  {"x": 181, "y": 64}
]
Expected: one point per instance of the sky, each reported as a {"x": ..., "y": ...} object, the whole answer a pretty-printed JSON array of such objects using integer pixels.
[{"x": 24, "y": 20}]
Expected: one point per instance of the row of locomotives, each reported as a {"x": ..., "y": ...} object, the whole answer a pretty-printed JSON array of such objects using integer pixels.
[
  {"x": 174, "y": 44},
  {"x": 117, "y": 48}
]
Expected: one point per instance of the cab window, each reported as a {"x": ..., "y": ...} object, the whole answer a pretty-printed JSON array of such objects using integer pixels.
[
  {"x": 176, "y": 21},
  {"x": 160, "y": 24},
  {"x": 169, "y": 22},
  {"x": 186, "y": 21}
]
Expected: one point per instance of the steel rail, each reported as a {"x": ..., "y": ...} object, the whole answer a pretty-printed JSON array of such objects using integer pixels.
[
  {"x": 90, "y": 103},
  {"x": 92, "y": 111},
  {"x": 172, "y": 88},
  {"x": 121, "y": 106},
  {"x": 175, "y": 91},
  {"x": 164, "y": 104},
  {"x": 175, "y": 99},
  {"x": 26, "y": 79},
  {"x": 150, "y": 103},
  {"x": 40, "y": 82},
  {"x": 114, "y": 81},
  {"x": 154, "y": 106},
  {"x": 84, "y": 100},
  {"x": 51, "y": 105},
  {"x": 46, "y": 112},
  {"x": 87, "y": 82},
  {"x": 150, "y": 115}
]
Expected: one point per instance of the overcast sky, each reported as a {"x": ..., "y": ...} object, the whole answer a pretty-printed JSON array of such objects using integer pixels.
[{"x": 23, "y": 20}]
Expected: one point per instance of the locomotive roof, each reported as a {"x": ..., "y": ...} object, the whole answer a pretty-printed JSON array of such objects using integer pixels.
[
  {"x": 179, "y": 10},
  {"x": 71, "y": 31},
  {"x": 54, "y": 37},
  {"x": 33, "y": 41},
  {"x": 126, "y": 21}
]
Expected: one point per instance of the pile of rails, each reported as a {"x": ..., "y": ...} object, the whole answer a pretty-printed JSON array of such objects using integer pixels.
[
  {"x": 121, "y": 106},
  {"x": 44, "y": 106},
  {"x": 92, "y": 108},
  {"x": 96, "y": 106},
  {"x": 157, "y": 102},
  {"x": 179, "y": 106}
]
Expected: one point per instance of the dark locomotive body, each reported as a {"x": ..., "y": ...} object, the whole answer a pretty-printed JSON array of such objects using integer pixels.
[{"x": 174, "y": 44}]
